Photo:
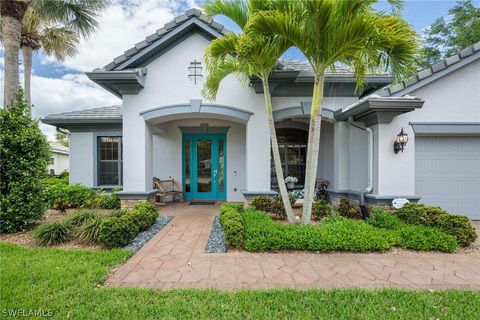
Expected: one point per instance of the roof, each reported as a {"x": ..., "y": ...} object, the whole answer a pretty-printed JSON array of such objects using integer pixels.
[
  {"x": 432, "y": 73},
  {"x": 58, "y": 148},
  {"x": 171, "y": 29},
  {"x": 110, "y": 114}
]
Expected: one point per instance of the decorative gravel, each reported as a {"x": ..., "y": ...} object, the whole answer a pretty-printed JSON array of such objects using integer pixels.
[
  {"x": 144, "y": 236},
  {"x": 216, "y": 241}
]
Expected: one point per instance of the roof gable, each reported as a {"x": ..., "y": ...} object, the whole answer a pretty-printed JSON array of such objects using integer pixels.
[{"x": 193, "y": 20}]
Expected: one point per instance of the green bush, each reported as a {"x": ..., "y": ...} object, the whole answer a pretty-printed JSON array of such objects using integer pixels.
[
  {"x": 52, "y": 233},
  {"x": 414, "y": 213},
  {"x": 347, "y": 209},
  {"x": 459, "y": 227},
  {"x": 231, "y": 219},
  {"x": 261, "y": 233},
  {"x": 321, "y": 209},
  {"x": 116, "y": 232},
  {"x": 148, "y": 209},
  {"x": 89, "y": 230},
  {"x": 383, "y": 219},
  {"x": 25, "y": 154},
  {"x": 418, "y": 237},
  {"x": 141, "y": 219},
  {"x": 277, "y": 207},
  {"x": 262, "y": 203},
  {"x": 80, "y": 217},
  {"x": 118, "y": 213}
]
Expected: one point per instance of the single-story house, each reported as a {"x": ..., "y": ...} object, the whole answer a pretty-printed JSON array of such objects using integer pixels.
[
  {"x": 220, "y": 150},
  {"x": 59, "y": 160}
]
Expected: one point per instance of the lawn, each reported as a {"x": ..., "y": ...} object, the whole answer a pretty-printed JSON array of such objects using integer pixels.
[{"x": 66, "y": 283}]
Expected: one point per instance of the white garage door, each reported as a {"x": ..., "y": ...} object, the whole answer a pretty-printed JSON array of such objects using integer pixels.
[{"x": 447, "y": 171}]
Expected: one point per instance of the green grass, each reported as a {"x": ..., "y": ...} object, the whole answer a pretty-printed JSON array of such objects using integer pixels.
[{"x": 65, "y": 282}]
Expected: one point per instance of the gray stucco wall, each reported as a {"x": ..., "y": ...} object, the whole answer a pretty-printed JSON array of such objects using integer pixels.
[{"x": 81, "y": 158}]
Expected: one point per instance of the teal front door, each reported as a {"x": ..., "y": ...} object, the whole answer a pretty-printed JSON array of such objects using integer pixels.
[{"x": 204, "y": 164}]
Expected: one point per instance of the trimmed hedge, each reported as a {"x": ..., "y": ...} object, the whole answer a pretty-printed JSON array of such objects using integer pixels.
[
  {"x": 117, "y": 232},
  {"x": 418, "y": 237},
  {"x": 414, "y": 213},
  {"x": 230, "y": 215},
  {"x": 339, "y": 234},
  {"x": 381, "y": 218},
  {"x": 459, "y": 227}
]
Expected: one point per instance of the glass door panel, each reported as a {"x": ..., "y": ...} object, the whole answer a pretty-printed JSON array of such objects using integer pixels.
[{"x": 204, "y": 165}]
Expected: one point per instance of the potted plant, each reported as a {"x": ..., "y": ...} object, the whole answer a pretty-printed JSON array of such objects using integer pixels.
[{"x": 290, "y": 181}]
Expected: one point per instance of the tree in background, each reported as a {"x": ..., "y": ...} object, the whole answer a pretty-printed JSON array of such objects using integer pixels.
[
  {"x": 62, "y": 138},
  {"x": 25, "y": 154},
  {"x": 329, "y": 32},
  {"x": 443, "y": 39}
]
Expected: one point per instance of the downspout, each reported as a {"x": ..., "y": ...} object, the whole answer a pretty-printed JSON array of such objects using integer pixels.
[{"x": 369, "y": 187}]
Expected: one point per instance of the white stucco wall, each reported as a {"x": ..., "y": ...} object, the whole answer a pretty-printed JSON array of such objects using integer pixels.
[
  {"x": 453, "y": 98},
  {"x": 81, "y": 158},
  {"x": 60, "y": 163}
]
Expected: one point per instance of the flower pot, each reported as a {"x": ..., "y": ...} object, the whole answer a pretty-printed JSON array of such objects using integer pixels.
[{"x": 290, "y": 185}]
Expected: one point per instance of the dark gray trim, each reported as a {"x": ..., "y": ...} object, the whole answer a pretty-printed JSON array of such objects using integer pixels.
[
  {"x": 248, "y": 195},
  {"x": 303, "y": 110},
  {"x": 289, "y": 124},
  {"x": 371, "y": 111},
  {"x": 204, "y": 128},
  {"x": 369, "y": 198},
  {"x": 137, "y": 195},
  {"x": 119, "y": 82},
  {"x": 156, "y": 48},
  {"x": 197, "y": 107},
  {"x": 446, "y": 128}
]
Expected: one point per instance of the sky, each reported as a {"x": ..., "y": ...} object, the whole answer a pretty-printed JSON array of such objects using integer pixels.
[{"x": 63, "y": 86}]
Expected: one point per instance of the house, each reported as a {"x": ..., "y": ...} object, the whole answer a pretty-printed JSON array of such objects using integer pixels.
[
  {"x": 220, "y": 150},
  {"x": 59, "y": 159}
]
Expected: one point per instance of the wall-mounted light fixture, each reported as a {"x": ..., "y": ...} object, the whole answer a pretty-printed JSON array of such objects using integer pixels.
[{"x": 400, "y": 142}]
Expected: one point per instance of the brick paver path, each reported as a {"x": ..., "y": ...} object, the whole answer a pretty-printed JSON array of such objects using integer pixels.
[{"x": 175, "y": 258}]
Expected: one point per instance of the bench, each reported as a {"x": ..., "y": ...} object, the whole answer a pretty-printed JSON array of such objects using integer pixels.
[{"x": 166, "y": 188}]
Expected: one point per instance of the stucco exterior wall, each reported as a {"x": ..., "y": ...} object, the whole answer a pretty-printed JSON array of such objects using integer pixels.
[
  {"x": 60, "y": 163},
  {"x": 82, "y": 158}
]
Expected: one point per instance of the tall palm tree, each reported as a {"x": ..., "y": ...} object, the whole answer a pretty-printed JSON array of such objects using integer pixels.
[
  {"x": 331, "y": 32},
  {"x": 246, "y": 55},
  {"x": 56, "y": 27},
  {"x": 11, "y": 15}
]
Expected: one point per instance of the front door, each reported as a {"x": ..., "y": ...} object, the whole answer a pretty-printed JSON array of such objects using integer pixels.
[{"x": 204, "y": 165}]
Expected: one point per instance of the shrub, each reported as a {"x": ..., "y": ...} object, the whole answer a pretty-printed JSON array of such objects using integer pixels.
[
  {"x": 80, "y": 217},
  {"x": 347, "y": 209},
  {"x": 231, "y": 220},
  {"x": 261, "y": 233},
  {"x": 52, "y": 233},
  {"x": 459, "y": 227},
  {"x": 116, "y": 232},
  {"x": 89, "y": 230},
  {"x": 148, "y": 209},
  {"x": 25, "y": 154},
  {"x": 277, "y": 207},
  {"x": 383, "y": 219},
  {"x": 103, "y": 200},
  {"x": 418, "y": 237},
  {"x": 321, "y": 209},
  {"x": 141, "y": 219},
  {"x": 414, "y": 213},
  {"x": 262, "y": 203},
  {"x": 117, "y": 213}
]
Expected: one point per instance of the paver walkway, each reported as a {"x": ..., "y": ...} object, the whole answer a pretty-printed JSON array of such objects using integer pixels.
[{"x": 175, "y": 258}]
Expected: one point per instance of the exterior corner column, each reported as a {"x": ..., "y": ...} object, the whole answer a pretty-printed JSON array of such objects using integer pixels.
[{"x": 258, "y": 153}]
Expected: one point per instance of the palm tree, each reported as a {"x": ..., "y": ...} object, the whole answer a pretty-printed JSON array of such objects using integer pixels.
[
  {"x": 11, "y": 13},
  {"x": 56, "y": 27},
  {"x": 246, "y": 55},
  {"x": 329, "y": 33}
]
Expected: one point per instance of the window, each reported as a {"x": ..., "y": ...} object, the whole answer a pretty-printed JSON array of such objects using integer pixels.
[
  {"x": 52, "y": 161},
  {"x": 110, "y": 161},
  {"x": 292, "y": 144}
]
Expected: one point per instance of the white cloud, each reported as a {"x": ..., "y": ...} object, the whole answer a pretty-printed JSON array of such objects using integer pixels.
[{"x": 122, "y": 25}]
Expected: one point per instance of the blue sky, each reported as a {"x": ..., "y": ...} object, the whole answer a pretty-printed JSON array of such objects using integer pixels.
[{"x": 59, "y": 87}]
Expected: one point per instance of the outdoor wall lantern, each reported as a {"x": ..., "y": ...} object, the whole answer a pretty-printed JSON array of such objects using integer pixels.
[{"x": 400, "y": 142}]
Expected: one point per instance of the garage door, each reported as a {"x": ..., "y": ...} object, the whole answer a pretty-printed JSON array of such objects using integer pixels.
[{"x": 447, "y": 173}]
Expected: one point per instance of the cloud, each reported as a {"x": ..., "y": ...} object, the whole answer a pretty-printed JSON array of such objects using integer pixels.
[{"x": 121, "y": 25}]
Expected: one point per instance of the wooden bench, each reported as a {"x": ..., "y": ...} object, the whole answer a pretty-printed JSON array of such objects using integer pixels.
[{"x": 170, "y": 187}]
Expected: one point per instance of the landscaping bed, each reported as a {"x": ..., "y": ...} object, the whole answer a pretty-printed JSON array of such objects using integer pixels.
[
  {"x": 67, "y": 284},
  {"x": 414, "y": 227}
]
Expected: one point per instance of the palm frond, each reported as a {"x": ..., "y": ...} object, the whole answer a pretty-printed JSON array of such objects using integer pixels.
[
  {"x": 221, "y": 48},
  {"x": 218, "y": 72},
  {"x": 236, "y": 10},
  {"x": 59, "y": 42}
]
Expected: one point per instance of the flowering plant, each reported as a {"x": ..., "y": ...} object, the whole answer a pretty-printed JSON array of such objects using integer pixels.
[{"x": 291, "y": 179}]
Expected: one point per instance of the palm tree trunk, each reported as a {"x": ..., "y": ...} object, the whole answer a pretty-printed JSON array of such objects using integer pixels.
[
  {"x": 313, "y": 148},
  {"x": 276, "y": 154},
  {"x": 27, "y": 71},
  {"x": 11, "y": 31}
]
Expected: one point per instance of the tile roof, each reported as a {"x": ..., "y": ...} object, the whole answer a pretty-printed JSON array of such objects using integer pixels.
[
  {"x": 110, "y": 112},
  {"x": 164, "y": 31},
  {"x": 442, "y": 66}
]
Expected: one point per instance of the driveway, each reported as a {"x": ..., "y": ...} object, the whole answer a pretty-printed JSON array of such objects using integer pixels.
[{"x": 175, "y": 258}]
